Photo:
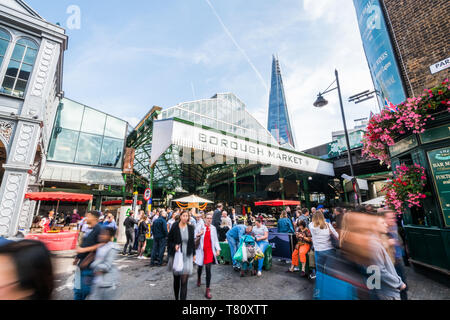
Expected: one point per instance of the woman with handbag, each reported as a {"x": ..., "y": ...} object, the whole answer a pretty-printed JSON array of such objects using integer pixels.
[
  {"x": 323, "y": 236},
  {"x": 181, "y": 246},
  {"x": 207, "y": 249}
]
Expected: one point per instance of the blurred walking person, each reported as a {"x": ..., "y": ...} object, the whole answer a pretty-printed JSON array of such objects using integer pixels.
[
  {"x": 85, "y": 256},
  {"x": 396, "y": 246},
  {"x": 181, "y": 239},
  {"x": 105, "y": 273},
  {"x": 391, "y": 283},
  {"x": 26, "y": 271},
  {"x": 207, "y": 252}
]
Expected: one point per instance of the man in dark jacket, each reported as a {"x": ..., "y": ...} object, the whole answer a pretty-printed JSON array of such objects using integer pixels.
[
  {"x": 217, "y": 217},
  {"x": 159, "y": 231},
  {"x": 129, "y": 233}
]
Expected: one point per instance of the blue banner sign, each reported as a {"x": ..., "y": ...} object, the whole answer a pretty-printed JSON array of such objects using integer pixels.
[{"x": 379, "y": 52}]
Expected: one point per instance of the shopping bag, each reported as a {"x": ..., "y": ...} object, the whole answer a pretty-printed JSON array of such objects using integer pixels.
[
  {"x": 178, "y": 262},
  {"x": 258, "y": 253},
  {"x": 238, "y": 254},
  {"x": 244, "y": 253}
]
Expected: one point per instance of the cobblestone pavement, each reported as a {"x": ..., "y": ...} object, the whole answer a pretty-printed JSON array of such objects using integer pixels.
[{"x": 140, "y": 282}]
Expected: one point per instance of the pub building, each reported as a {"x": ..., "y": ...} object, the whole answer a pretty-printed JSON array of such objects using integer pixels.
[{"x": 404, "y": 60}]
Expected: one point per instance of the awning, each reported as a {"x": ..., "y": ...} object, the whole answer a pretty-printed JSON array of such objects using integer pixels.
[
  {"x": 54, "y": 172},
  {"x": 277, "y": 203},
  {"x": 119, "y": 202},
  {"x": 376, "y": 202},
  {"x": 58, "y": 196}
]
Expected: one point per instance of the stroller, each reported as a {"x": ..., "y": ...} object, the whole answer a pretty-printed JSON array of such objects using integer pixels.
[{"x": 250, "y": 253}]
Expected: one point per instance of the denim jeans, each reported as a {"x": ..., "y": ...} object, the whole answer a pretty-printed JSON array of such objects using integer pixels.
[
  {"x": 159, "y": 246},
  {"x": 321, "y": 260},
  {"x": 263, "y": 246},
  {"x": 87, "y": 276},
  {"x": 233, "y": 243}
]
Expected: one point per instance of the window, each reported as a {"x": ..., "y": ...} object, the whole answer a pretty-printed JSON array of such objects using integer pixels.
[
  {"x": 115, "y": 128},
  {"x": 19, "y": 68},
  {"x": 63, "y": 145},
  {"x": 5, "y": 38},
  {"x": 70, "y": 115},
  {"x": 89, "y": 147},
  {"x": 111, "y": 153},
  {"x": 93, "y": 121}
]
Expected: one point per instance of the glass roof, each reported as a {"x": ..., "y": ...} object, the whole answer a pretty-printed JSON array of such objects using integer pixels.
[{"x": 224, "y": 112}]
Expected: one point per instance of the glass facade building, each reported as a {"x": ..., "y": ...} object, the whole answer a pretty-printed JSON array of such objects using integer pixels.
[
  {"x": 82, "y": 135},
  {"x": 278, "y": 123}
]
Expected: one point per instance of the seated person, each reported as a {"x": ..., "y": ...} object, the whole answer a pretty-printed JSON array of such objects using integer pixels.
[
  {"x": 285, "y": 224},
  {"x": 301, "y": 248}
]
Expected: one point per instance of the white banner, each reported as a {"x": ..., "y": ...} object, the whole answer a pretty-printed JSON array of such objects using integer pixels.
[{"x": 189, "y": 136}]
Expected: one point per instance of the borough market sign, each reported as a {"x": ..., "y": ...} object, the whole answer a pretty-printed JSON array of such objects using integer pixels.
[{"x": 175, "y": 132}]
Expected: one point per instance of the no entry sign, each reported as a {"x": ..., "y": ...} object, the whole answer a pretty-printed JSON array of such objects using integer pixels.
[{"x": 147, "y": 194}]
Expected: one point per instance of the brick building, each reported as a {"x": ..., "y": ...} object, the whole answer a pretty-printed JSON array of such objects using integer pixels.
[{"x": 419, "y": 32}]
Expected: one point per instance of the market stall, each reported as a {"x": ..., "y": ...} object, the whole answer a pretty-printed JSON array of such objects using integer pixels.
[{"x": 59, "y": 237}]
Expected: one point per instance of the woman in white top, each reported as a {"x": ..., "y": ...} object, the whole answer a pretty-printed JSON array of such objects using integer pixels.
[{"x": 321, "y": 233}]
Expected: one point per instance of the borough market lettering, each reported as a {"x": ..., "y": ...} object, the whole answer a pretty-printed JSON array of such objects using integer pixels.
[{"x": 244, "y": 147}]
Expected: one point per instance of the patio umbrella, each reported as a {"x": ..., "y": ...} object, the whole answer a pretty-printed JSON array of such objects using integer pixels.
[{"x": 192, "y": 201}]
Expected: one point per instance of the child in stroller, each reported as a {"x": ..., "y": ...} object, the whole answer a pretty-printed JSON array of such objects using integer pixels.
[{"x": 250, "y": 246}]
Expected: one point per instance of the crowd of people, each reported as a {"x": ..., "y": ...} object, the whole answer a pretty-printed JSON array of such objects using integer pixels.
[{"x": 338, "y": 248}]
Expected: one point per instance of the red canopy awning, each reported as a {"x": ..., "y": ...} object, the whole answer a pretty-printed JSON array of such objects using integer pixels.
[
  {"x": 59, "y": 196},
  {"x": 277, "y": 203},
  {"x": 119, "y": 202}
]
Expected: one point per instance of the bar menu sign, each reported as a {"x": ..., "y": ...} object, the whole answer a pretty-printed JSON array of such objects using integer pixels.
[{"x": 440, "y": 166}]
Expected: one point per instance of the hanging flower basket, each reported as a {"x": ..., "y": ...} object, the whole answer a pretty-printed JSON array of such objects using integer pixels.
[
  {"x": 411, "y": 117},
  {"x": 407, "y": 188}
]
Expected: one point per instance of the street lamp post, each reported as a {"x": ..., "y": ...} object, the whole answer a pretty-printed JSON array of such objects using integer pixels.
[{"x": 321, "y": 102}]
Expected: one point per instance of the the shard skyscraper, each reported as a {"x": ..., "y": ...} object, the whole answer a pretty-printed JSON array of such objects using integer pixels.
[{"x": 279, "y": 124}]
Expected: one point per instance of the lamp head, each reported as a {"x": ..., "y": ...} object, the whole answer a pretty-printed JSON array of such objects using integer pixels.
[{"x": 320, "y": 102}]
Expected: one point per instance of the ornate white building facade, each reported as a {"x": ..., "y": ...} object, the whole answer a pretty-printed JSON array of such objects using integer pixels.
[{"x": 31, "y": 65}]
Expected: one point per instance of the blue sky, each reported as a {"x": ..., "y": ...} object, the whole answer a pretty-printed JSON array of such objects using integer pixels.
[{"x": 131, "y": 55}]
